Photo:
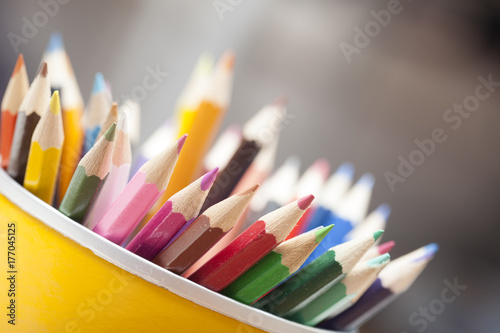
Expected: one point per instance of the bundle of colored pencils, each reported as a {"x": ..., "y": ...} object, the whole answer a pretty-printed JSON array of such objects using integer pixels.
[{"x": 198, "y": 211}]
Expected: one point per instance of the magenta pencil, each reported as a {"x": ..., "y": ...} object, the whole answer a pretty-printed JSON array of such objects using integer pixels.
[
  {"x": 139, "y": 195},
  {"x": 181, "y": 209}
]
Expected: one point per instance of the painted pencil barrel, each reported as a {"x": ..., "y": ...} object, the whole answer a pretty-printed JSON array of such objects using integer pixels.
[{"x": 41, "y": 174}]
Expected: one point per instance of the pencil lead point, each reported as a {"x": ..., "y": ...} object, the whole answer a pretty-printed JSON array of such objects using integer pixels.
[
  {"x": 305, "y": 202},
  {"x": 209, "y": 179},
  {"x": 180, "y": 143},
  {"x": 377, "y": 234}
]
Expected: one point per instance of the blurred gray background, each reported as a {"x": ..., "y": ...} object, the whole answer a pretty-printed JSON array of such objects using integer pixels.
[{"x": 368, "y": 111}]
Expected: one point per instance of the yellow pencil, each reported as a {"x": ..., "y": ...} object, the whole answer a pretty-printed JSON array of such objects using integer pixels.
[
  {"x": 45, "y": 152},
  {"x": 62, "y": 78},
  {"x": 190, "y": 98},
  {"x": 205, "y": 126}
]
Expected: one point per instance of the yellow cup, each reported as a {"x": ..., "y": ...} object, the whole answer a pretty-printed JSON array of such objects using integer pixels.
[{"x": 58, "y": 276}]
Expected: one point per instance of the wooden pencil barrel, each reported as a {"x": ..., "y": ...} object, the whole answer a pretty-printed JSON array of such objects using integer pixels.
[{"x": 69, "y": 279}]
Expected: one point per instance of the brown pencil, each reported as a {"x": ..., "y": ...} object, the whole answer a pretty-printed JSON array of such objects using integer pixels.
[
  {"x": 204, "y": 232},
  {"x": 34, "y": 104},
  {"x": 259, "y": 131}
]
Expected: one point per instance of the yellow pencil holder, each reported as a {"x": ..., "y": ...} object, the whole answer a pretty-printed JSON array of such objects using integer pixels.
[{"x": 58, "y": 276}]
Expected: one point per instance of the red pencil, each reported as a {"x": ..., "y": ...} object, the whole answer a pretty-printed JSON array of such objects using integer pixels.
[{"x": 251, "y": 246}]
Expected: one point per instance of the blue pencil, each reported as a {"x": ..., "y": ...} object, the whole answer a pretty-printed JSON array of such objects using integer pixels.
[
  {"x": 351, "y": 211},
  {"x": 332, "y": 194},
  {"x": 97, "y": 109}
]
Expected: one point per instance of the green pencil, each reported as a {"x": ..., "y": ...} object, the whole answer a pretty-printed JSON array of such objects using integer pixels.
[
  {"x": 274, "y": 268},
  {"x": 88, "y": 178},
  {"x": 341, "y": 296},
  {"x": 309, "y": 282}
]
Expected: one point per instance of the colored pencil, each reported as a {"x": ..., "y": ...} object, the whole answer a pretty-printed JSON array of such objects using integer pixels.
[
  {"x": 260, "y": 130},
  {"x": 332, "y": 194},
  {"x": 181, "y": 209},
  {"x": 34, "y": 104},
  {"x": 352, "y": 210},
  {"x": 203, "y": 130},
  {"x": 376, "y": 220},
  {"x": 14, "y": 94},
  {"x": 311, "y": 181},
  {"x": 111, "y": 117},
  {"x": 97, "y": 109},
  {"x": 275, "y": 267},
  {"x": 89, "y": 177},
  {"x": 309, "y": 282},
  {"x": 204, "y": 232},
  {"x": 139, "y": 195},
  {"x": 278, "y": 190},
  {"x": 342, "y": 295},
  {"x": 154, "y": 145},
  {"x": 118, "y": 174},
  {"x": 223, "y": 149},
  {"x": 250, "y": 247},
  {"x": 394, "y": 280},
  {"x": 45, "y": 152},
  {"x": 378, "y": 250},
  {"x": 133, "y": 110},
  {"x": 192, "y": 94},
  {"x": 256, "y": 173},
  {"x": 62, "y": 78}
]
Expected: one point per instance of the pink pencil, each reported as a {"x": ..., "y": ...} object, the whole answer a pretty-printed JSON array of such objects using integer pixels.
[
  {"x": 181, "y": 209},
  {"x": 118, "y": 175},
  {"x": 139, "y": 196}
]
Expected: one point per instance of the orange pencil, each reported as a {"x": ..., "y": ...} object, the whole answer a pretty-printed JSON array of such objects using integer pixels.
[
  {"x": 205, "y": 126},
  {"x": 14, "y": 94}
]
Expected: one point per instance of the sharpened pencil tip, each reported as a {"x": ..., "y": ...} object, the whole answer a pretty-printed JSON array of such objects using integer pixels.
[
  {"x": 180, "y": 143},
  {"x": 123, "y": 121},
  {"x": 378, "y": 234},
  {"x": 55, "y": 103},
  {"x": 379, "y": 261},
  {"x": 19, "y": 64},
  {"x": 386, "y": 247},
  {"x": 346, "y": 169},
  {"x": 321, "y": 233},
  {"x": 323, "y": 167},
  {"x": 209, "y": 179},
  {"x": 227, "y": 60},
  {"x": 249, "y": 190},
  {"x": 305, "y": 202},
  {"x": 110, "y": 133},
  {"x": 43, "y": 70},
  {"x": 432, "y": 248},
  {"x": 384, "y": 210},
  {"x": 55, "y": 42},
  {"x": 367, "y": 180},
  {"x": 99, "y": 83}
]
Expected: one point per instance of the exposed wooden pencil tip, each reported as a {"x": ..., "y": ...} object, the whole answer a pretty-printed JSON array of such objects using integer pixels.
[
  {"x": 209, "y": 179},
  {"x": 43, "y": 70},
  {"x": 386, "y": 247},
  {"x": 19, "y": 64},
  {"x": 305, "y": 202},
  {"x": 249, "y": 190},
  {"x": 114, "y": 109},
  {"x": 55, "y": 103},
  {"x": 110, "y": 133},
  {"x": 180, "y": 143}
]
